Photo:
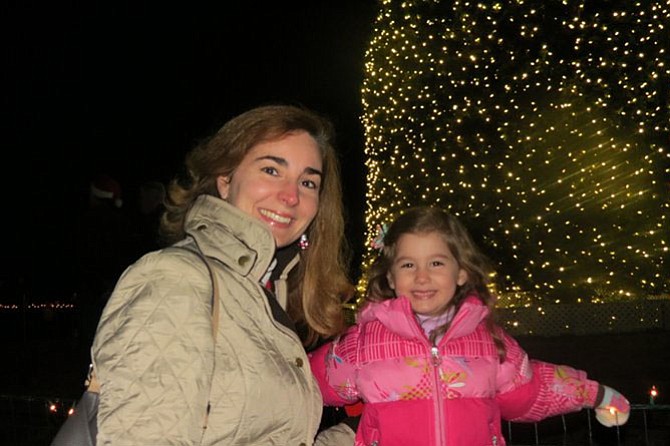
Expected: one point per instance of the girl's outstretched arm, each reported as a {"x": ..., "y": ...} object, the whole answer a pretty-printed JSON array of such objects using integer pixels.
[{"x": 530, "y": 390}]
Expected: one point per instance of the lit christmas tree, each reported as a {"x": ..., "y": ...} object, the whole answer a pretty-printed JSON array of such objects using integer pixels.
[{"x": 544, "y": 125}]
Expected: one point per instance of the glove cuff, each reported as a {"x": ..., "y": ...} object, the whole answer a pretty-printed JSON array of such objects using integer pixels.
[{"x": 594, "y": 394}]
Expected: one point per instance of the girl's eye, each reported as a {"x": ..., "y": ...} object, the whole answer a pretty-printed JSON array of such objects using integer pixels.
[
  {"x": 406, "y": 265},
  {"x": 437, "y": 263}
]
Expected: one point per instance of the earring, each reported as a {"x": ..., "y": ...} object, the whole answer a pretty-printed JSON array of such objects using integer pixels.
[{"x": 304, "y": 242}]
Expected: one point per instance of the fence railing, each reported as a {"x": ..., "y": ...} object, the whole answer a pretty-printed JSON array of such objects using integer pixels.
[
  {"x": 34, "y": 421},
  {"x": 648, "y": 425},
  {"x": 585, "y": 319}
]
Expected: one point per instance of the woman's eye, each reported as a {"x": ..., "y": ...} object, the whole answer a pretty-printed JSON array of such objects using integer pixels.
[
  {"x": 310, "y": 184},
  {"x": 269, "y": 170}
]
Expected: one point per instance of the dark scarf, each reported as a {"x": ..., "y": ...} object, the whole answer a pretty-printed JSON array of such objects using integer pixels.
[{"x": 283, "y": 257}]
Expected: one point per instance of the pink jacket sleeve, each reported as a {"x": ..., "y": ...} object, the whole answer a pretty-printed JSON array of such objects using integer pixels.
[
  {"x": 530, "y": 390},
  {"x": 335, "y": 372}
]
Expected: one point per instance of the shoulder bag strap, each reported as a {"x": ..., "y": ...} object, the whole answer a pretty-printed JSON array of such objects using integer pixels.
[
  {"x": 215, "y": 324},
  {"x": 215, "y": 296}
]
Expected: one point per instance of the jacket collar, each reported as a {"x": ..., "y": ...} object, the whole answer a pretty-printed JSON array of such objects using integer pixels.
[
  {"x": 229, "y": 235},
  {"x": 397, "y": 316}
]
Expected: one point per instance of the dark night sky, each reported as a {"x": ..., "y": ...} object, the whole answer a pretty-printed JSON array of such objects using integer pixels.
[{"x": 128, "y": 88}]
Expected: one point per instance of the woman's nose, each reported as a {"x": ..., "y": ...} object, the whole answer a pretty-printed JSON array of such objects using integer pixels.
[{"x": 289, "y": 194}]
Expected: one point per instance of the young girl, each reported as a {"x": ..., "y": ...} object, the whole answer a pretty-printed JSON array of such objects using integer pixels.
[{"x": 426, "y": 357}]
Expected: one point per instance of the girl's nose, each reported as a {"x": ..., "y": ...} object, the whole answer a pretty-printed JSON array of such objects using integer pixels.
[{"x": 421, "y": 275}]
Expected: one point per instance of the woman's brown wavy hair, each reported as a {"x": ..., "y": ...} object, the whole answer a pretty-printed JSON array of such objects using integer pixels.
[{"x": 319, "y": 283}]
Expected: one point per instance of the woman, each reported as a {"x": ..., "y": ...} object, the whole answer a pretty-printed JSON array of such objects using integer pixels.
[{"x": 262, "y": 202}]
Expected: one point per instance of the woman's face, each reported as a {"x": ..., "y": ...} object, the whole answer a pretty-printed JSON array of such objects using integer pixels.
[{"x": 278, "y": 183}]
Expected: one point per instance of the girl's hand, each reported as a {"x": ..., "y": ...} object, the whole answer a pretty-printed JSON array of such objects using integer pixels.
[{"x": 613, "y": 409}]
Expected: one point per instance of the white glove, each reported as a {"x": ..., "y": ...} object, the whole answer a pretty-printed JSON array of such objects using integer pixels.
[{"x": 613, "y": 409}]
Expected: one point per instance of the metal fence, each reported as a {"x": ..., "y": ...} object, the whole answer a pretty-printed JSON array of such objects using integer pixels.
[
  {"x": 648, "y": 425},
  {"x": 586, "y": 319},
  {"x": 534, "y": 319},
  {"x": 34, "y": 421}
]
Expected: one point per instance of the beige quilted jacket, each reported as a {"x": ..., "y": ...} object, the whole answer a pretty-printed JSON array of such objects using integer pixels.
[{"x": 155, "y": 357}]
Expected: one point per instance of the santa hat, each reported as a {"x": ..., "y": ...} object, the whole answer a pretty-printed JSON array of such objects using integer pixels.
[{"x": 106, "y": 187}]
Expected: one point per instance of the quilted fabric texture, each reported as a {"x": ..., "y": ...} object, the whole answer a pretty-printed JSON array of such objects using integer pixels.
[{"x": 155, "y": 355}]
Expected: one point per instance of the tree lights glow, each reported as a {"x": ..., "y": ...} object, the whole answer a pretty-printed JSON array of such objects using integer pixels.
[{"x": 545, "y": 126}]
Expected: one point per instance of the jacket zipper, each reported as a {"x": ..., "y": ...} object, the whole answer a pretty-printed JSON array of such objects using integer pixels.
[{"x": 439, "y": 412}]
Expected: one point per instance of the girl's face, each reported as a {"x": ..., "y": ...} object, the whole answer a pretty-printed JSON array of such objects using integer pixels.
[
  {"x": 425, "y": 271},
  {"x": 278, "y": 183}
]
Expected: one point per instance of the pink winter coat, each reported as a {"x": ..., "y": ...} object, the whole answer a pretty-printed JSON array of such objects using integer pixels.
[{"x": 452, "y": 394}]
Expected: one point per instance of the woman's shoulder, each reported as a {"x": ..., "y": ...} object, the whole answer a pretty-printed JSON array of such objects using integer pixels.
[
  {"x": 168, "y": 289},
  {"x": 169, "y": 258},
  {"x": 165, "y": 269},
  {"x": 163, "y": 277}
]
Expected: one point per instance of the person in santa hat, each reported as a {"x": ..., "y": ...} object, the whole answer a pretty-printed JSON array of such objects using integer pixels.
[
  {"x": 102, "y": 249},
  {"x": 105, "y": 189}
]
